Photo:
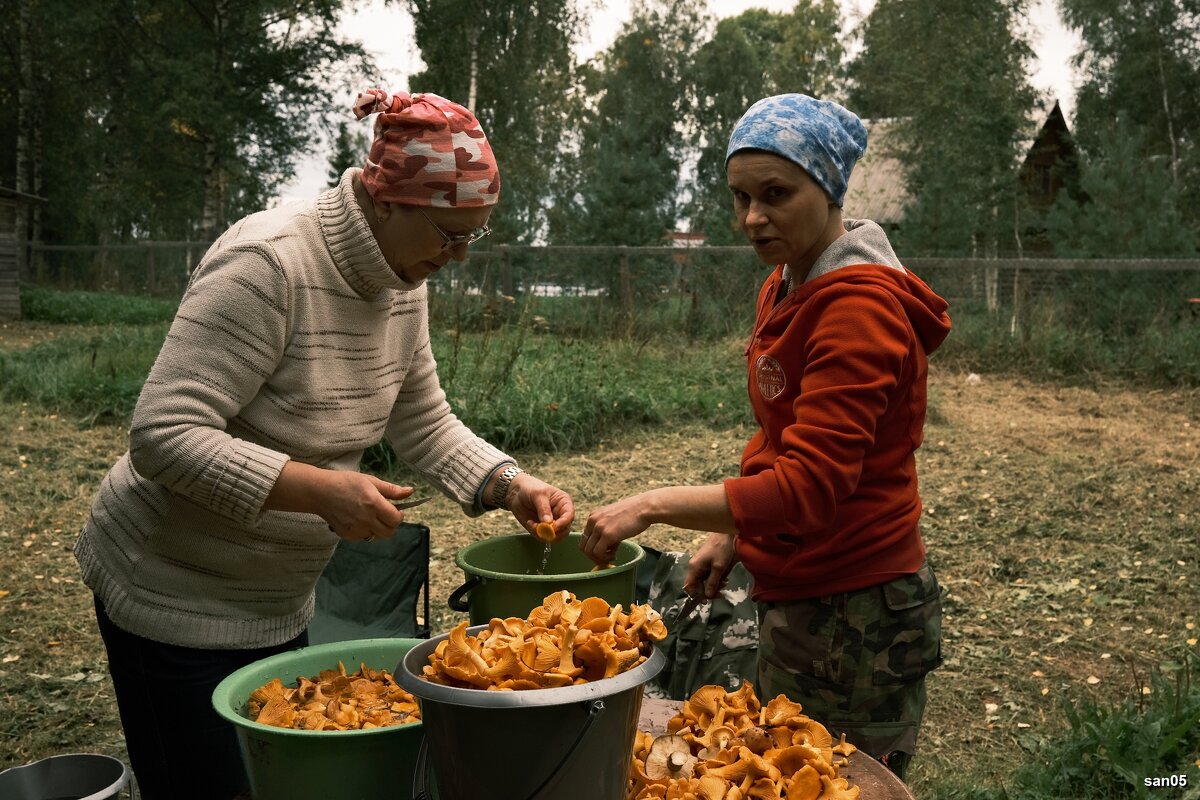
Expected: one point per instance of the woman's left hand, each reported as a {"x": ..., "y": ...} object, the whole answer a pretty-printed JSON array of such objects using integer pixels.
[
  {"x": 532, "y": 500},
  {"x": 608, "y": 526}
]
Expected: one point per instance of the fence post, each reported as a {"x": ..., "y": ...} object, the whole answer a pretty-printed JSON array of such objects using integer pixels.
[
  {"x": 626, "y": 284},
  {"x": 151, "y": 277},
  {"x": 506, "y": 272},
  {"x": 488, "y": 288}
]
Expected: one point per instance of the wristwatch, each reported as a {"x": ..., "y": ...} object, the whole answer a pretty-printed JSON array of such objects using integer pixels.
[{"x": 500, "y": 490}]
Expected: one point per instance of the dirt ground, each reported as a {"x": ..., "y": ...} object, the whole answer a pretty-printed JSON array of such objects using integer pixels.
[{"x": 1062, "y": 523}]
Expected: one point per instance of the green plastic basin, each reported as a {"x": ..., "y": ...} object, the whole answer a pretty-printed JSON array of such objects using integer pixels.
[
  {"x": 505, "y": 576},
  {"x": 286, "y": 764}
]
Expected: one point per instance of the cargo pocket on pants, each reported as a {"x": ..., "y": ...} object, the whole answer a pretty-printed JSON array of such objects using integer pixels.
[{"x": 910, "y": 629}]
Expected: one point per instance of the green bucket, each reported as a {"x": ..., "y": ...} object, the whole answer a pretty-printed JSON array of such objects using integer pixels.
[
  {"x": 505, "y": 579},
  {"x": 287, "y": 764}
]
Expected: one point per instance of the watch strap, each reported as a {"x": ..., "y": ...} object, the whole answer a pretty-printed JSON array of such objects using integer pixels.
[{"x": 500, "y": 489}]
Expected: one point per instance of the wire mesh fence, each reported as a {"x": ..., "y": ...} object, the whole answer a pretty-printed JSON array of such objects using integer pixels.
[
  {"x": 159, "y": 269},
  {"x": 692, "y": 292}
]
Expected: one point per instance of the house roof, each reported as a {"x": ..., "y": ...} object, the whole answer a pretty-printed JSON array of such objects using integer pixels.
[{"x": 877, "y": 190}]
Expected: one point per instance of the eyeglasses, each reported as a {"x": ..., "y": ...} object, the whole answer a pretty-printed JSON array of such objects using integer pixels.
[{"x": 451, "y": 241}]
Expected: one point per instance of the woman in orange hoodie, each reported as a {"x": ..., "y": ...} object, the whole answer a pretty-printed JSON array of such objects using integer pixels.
[{"x": 825, "y": 512}]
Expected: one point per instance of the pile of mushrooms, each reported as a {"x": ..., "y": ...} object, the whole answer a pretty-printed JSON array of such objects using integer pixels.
[
  {"x": 564, "y": 641},
  {"x": 728, "y": 746},
  {"x": 334, "y": 701}
]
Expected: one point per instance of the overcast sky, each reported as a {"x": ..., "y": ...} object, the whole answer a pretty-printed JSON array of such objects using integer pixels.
[{"x": 386, "y": 30}]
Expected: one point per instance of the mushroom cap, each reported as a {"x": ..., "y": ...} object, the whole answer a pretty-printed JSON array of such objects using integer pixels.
[
  {"x": 812, "y": 733},
  {"x": 757, "y": 739},
  {"x": 791, "y": 760},
  {"x": 764, "y": 789},
  {"x": 710, "y": 787},
  {"x": 837, "y": 789},
  {"x": 705, "y": 700},
  {"x": 779, "y": 711},
  {"x": 805, "y": 784},
  {"x": 715, "y": 739},
  {"x": 844, "y": 748},
  {"x": 670, "y": 756}
]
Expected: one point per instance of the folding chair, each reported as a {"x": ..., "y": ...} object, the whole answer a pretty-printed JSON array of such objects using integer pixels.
[{"x": 373, "y": 589}]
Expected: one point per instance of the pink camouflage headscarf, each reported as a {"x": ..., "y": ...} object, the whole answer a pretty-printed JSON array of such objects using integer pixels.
[{"x": 427, "y": 151}]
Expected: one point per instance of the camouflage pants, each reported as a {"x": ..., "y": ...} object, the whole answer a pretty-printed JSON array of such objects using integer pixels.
[{"x": 857, "y": 661}]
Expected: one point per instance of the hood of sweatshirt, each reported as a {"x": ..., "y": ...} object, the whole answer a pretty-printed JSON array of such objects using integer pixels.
[{"x": 865, "y": 244}]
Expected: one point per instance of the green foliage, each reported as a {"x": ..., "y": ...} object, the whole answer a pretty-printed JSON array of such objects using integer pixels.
[
  {"x": 1127, "y": 206},
  {"x": 94, "y": 308},
  {"x": 518, "y": 389},
  {"x": 96, "y": 376},
  {"x": 551, "y": 374},
  {"x": 568, "y": 394},
  {"x": 953, "y": 78},
  {"x": 1140, "y": 66},
  {"x": 350, "y": 148},
  {"x": 160, "y": 119},
  {"x": 622, "y": 187},
  {"x": 756, "y": 54},
  {"x": 1109, "y": 753},
  {"x": 520, "y": 56},
  {"x": 1092, "y": 337}
]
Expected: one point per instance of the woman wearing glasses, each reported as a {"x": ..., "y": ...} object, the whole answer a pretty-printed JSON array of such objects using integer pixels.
[{"x": 302, "y": 340}]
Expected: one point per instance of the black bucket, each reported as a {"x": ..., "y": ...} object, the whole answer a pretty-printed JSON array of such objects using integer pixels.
[{"x": 539, "y": 744}]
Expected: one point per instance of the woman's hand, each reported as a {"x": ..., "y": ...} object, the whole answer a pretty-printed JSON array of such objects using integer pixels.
[
  {"x": 532, "y": 500},
  {"x": 357, "y": 507},
  {"x": 710, "y": 566},
  {"x": 608, "y": 526},
  {"x": 697, "y": 508}
]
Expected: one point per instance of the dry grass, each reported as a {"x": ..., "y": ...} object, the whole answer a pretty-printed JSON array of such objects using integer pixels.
[{"x": 1062, "y": 522}]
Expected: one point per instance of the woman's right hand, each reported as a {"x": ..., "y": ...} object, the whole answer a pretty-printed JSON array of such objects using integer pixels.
[
  {"x": 710, "y": 566},
  {"x": 357, "y": 507}
]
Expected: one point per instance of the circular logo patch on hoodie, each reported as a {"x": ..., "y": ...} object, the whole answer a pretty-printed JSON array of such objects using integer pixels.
[{"x": 769, "y": 375}]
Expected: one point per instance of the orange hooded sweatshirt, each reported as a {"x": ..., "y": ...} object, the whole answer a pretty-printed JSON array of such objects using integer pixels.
[{"x": 827, "y": 499}]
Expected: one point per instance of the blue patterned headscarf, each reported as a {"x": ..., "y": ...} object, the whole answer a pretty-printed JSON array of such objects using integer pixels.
[{"x": 820, "y": 136}]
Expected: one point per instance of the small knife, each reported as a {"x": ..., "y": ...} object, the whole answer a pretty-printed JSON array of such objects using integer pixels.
[
  {"x": 689, "y": 606},
  {"x": 410, "y": 503}
]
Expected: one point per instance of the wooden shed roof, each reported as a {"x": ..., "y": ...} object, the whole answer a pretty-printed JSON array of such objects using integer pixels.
[{"x": 877, "y": 189}]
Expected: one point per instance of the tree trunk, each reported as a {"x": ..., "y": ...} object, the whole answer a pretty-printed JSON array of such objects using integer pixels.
[
  {"x": 25, "y": 116},
  {"x": 992, "y": 275},
  {"x": 474, "y": 84},
  {"x": 1166, "y": 102},
  {"x": 1015, "y": 322},
  {"x": 212, "y": 218}
]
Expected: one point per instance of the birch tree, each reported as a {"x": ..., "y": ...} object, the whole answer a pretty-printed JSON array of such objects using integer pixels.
[
  {"x": 1140, "y": 70},
  {"x": 512, "y": 64}
]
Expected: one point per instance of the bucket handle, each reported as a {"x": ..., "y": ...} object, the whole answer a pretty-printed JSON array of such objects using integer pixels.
[
  {"x": 459, "y": 599},
  {"x": 421, "y": 773}
]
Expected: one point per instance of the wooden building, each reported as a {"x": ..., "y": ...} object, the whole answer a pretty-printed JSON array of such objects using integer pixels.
[
  {"x": 11, "y": 252},
  {"x": 878, "y": 190}
]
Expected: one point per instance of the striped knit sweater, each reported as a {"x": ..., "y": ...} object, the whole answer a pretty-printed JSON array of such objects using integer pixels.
[{"x": 296, "y": 340}]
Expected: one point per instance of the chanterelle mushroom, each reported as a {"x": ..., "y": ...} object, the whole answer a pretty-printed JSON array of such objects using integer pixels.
[
  {"x": 715, "y": 740},
  {"x": 710, "y": 787},
  {"x": 670, "y": 757},
  {"x": 757, "y": 739}
]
